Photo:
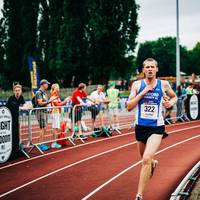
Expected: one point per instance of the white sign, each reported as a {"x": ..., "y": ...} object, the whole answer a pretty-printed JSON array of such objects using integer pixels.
[
  {"x": 149, "y": 111},
  {"x": 194, "y": 107},
  {"x": 5, "y": 134}
]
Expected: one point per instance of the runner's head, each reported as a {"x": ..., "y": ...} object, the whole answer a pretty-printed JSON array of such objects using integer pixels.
[{"x": 150, "y": 68}]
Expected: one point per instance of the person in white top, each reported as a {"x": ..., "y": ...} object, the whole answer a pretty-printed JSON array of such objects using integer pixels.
[{"x": 97, "y": 99}]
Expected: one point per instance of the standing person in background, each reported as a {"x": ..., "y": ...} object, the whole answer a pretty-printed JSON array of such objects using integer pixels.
[
  {"x": 113, "y": 96},
  {"x": 96, "y": 100},
  {"x": 179, "y": 102},
  {"x": 147, "y": 97},
  {"x": 77, "y": 99},
  {"x": 41, "y": 99},
  {"x": 56, "y": 112},
  {"x": 14, "y": 103},
  {"x": 189, "y": 89}
]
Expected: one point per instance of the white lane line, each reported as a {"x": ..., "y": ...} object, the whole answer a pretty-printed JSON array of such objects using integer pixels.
[
  {"x": 66, "y": 167},
  {"x": 81, "y": 145},
  {"x": 132, "y": 166},
  {"x": 67, "y": 149},
  {"x": 76, "y": 163}
]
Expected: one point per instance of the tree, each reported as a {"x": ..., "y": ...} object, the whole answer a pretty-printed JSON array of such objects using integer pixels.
[
  {"x": 3, "y": 78},
  {"x": 112, "y": 32},
  {"x": 194, "y": 62},
  {"x": 164, "y": 51},
  {"x": 13, "y": 42},
  {"x": 71, "y": 44},
  {"x": 20, "y": 18},
  {"x": 43, "y": 39}
]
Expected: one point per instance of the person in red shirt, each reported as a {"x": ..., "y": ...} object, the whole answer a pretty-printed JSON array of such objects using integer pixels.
[{"x": 77, "y": 99}]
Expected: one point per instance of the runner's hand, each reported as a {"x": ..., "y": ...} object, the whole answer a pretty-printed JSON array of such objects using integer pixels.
[
  {"x": 167, "y": 104},
  {"x": 147, "y": 89}
]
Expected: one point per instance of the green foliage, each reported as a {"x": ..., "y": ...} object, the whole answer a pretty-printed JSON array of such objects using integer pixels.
[
  {"x": 194, "y": 62},
  {"x": 164, "y": 51},
  {"x": 112, "y": 33}
]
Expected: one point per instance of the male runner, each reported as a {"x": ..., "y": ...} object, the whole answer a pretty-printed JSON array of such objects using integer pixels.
[{"x": 147, "y": 97}]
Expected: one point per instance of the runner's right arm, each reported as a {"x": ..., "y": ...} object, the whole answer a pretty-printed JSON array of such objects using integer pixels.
[{"x": 134, "y": 98}]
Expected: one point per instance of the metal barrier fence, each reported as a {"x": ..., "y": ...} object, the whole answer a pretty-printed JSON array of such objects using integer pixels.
[
  {"x": 184, "y": 188},
  {"x": 42, "y": 125},
  {"x": 99, "y": 119}
]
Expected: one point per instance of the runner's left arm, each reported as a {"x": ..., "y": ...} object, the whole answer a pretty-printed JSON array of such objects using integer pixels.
[{"x": 171, "y": 94}]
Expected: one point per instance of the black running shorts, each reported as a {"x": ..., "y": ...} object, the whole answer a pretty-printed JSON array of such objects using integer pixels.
[{"x": 142, "y": 133}]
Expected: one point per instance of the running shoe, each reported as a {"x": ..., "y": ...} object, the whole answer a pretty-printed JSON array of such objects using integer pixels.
[
  {"x": 43, "y": 147},
  {"x": 138, "y": 197},
  {"x": 56, "y": 145}
]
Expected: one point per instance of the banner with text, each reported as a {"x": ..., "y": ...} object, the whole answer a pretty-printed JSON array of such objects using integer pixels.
[{"x": 34, "y": 73}]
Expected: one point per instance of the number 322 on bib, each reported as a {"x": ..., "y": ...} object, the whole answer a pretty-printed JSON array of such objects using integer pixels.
[{"x": 149, "y": 111}]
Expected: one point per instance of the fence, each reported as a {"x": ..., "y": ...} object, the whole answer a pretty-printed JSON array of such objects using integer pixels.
[
  {"x": 185, "y": 187},
  {"x": 42, "y": 125}
]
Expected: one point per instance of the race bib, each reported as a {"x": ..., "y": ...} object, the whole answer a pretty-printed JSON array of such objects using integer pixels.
[{"x": 149, "y": 111}]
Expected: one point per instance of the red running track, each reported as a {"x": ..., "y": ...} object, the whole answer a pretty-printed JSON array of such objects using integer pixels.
[{"x": 102, "y": 169}]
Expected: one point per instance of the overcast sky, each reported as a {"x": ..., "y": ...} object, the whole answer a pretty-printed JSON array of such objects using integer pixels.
[{"x": 157, "y": 18}]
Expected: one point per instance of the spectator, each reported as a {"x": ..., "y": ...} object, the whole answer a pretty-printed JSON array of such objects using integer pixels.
[
  {"x": 179, "y": 102},
  {"x": 41, "y": 114},
  {"x": 189, "y": 89},
  {"x": 55, "y": 101},
  {"x": 14, "y": 103},
  {"x": 113, "y": 96},
  {"x": 184, "y": 92},
  {"x": 168, "y": 111},
  {"x": 77, "y": 99},
  {"x": 97, "y": 98}
]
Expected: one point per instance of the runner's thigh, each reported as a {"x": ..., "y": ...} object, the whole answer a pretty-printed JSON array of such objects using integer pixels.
[{"x": 152, "y": 144}]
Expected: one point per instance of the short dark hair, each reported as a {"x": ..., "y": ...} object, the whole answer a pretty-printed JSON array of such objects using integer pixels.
[{"x": 151, "y": 60}]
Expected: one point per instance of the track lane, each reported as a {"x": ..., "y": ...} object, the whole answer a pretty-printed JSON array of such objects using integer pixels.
[
  {"x": 182, "y": 135},
  {"x": 173, "y": 166},
  {"x": 93, "y": 140}
]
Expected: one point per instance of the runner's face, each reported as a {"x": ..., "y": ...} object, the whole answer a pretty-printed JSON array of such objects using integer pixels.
[{"x": 150, "y": 69}]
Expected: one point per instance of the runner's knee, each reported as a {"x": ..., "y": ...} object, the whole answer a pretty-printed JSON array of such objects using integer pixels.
[{"x": 147, "y": 159}]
